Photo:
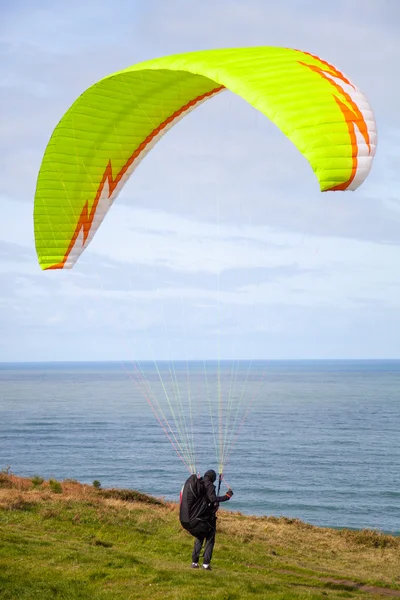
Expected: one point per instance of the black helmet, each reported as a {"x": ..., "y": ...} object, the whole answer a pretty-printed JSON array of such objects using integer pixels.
[{"x": 211, "y": 474}]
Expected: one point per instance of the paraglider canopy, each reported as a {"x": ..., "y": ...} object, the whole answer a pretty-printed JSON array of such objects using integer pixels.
[{"x": 112, "y": 126}]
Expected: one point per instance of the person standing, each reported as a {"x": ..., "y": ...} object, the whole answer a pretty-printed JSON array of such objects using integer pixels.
[{"x": 198, "y": 508}]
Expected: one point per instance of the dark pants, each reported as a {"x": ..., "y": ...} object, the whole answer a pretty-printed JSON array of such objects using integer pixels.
[{"x": 208, "y": 549}]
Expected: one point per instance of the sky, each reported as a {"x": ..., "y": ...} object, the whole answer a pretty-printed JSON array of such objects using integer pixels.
[{"x": 221, "y": 244}]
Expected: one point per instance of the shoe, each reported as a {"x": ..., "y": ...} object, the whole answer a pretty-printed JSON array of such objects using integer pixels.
[
  {"x": 195, "y": 565},
  {"x": 207, "y": 567}
]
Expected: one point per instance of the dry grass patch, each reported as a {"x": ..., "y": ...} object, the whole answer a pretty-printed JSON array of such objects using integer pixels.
[
  {"x": 10, "y": 481},
  {"x": 14, "y": 500}
]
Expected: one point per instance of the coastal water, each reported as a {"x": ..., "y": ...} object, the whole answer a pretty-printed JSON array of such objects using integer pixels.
[{"x": 320, "y": 442}]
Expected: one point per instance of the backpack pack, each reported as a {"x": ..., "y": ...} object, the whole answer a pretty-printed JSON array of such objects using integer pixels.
[{"x": 193, "y": 501}]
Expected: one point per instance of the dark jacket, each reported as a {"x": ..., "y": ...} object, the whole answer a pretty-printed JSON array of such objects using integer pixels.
[{"x": 212, "y": 499}]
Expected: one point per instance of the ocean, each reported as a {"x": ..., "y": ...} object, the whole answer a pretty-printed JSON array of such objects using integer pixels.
[{"x": 314, "y": 440}]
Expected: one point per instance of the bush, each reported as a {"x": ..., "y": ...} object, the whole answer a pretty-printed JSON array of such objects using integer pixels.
[
  {"x": 96, "y": 484},
  {"x": 37, "y": 480},
  {"x": 55, "y": 486},
  {"x": 130, "y": 496}
]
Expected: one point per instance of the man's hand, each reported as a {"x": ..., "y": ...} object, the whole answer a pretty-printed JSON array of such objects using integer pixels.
[{"x": 229, "y": 494}]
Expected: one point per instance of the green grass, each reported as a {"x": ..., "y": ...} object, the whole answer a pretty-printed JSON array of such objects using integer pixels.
[{"x": 88, "y": 543}]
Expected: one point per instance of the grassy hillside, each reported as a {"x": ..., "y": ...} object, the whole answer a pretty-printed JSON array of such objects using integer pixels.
[{"x": 67, "y": 540}]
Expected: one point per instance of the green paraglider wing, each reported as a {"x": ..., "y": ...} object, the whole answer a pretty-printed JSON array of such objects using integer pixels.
[{"x": 111, "y": 127}]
